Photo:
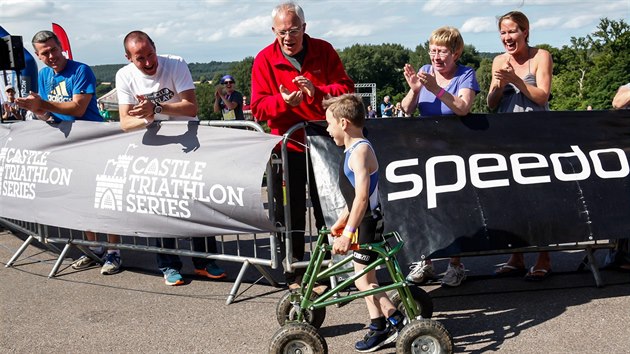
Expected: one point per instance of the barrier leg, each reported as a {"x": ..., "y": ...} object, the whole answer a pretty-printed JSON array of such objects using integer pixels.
[
  {"x": 59, "y": 260},
  {"x": 266, "y": 275},
  {"x": 20, "y": 251},
  {"x": 237, "y": 283},
  {"x": 594, "y": 268}
]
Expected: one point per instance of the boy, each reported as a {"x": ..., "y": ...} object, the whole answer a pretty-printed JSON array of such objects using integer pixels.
[{"x": 358, "y": 182}]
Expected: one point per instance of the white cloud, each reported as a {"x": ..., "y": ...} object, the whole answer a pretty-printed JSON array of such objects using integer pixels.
[
  {"x": 442, "y": 8},
  {"x": 479, "y": 25},
  {"x": 254, "y": 26},
  {"x": 349, "y": 30},
  {"x": 16, "y": 8},
  {"x": 580, "y": 21},
  {"x": 546, "y": 22}
]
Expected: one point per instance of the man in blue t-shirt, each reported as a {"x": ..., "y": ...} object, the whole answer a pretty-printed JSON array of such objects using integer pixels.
[
  {"x": 67, "y": 89},
  {"x": 67, "y": 92}
]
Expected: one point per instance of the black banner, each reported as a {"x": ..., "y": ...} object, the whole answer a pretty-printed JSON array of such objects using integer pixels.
[{"x": 499, "y": 181}]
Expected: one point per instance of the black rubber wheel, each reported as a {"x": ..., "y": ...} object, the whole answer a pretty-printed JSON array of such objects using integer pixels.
[
  {"x": 297, "y": 338},
  {"x": 424, "y": 336},
  {"x": 285, "y": 311},
  {"x": 423, "y": 301}
]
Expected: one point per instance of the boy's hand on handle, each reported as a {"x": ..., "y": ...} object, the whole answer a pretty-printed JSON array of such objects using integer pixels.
[
  {"x": 341, "y": 245},
  {"x": 337, "y": 228}
]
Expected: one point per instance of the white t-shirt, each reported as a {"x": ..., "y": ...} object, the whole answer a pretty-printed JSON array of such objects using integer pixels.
[{"x": 171, "y": 78}]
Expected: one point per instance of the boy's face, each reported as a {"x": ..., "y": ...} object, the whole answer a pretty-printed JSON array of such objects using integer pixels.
[{"x": 334, "y": 129}]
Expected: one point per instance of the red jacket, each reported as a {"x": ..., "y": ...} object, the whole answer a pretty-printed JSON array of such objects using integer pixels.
[{"x": 271, "y": 69}]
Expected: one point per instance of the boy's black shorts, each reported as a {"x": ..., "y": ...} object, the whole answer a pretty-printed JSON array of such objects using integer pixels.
[{"x": 370, "y": 231}]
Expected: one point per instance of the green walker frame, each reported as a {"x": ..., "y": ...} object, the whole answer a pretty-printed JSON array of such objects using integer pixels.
[{"x": 301, "y": 315}]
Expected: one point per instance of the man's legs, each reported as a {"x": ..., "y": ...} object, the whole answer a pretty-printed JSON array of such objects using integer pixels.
[
  {"x": 113, "y": 262},
  {"x": 169, "y": 264},
  {"x": 203, "y": 266},
  {"x": 297, "y": 203},
  {"x": 85, "y": 261}
]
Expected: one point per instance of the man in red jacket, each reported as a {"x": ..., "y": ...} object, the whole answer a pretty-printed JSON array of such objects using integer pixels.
[{"x": 290, "y": 78}]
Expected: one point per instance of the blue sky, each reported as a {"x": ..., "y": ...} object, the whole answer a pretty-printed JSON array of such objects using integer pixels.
[{"x": 217, "y": 30}]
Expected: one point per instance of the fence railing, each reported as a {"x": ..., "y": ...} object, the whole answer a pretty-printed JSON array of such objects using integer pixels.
[{"x": 258, "y": 250}]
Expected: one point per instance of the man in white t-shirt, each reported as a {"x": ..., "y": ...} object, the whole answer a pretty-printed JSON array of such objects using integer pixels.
[{"x": 160, "y": 87}]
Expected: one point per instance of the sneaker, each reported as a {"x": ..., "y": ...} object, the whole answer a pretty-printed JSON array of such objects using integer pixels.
[
  {"x": 375, "y": 339},
  {"x": 112, "y": 264},
  {"x": 172, "y": 277},
  {"x": 454, "y": 275},
  {"x": 84, "y": 262},
  {"x": 397, "y": 321},
  {"x": 212, "y": 271},
  {"x": 420, "y": 272}
]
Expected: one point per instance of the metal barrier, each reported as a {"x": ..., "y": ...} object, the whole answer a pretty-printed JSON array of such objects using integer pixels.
[
  {"x": 263, "y": 252},
  {"x": 311, "y": 233},
  {"x": 258, "y": 250}
]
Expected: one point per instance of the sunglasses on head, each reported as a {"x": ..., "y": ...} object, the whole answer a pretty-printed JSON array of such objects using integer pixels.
[{"x": 228, "y": 82}]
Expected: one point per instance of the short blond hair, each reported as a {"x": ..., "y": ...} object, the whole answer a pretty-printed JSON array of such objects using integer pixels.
[
  {"x": 348, "y": 106},
  {"x": 448, "y": 37}
]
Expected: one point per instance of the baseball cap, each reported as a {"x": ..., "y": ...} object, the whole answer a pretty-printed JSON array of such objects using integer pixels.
[
  {"x": 227, "y": 77},
  {"x": 9, "y": 87}
]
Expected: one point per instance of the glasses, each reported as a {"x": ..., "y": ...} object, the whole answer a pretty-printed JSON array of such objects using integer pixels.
[
  {"x": 227, "y": 82},
  {"x": 292, "y": 32},
  {"x": 441, "y": 53}
]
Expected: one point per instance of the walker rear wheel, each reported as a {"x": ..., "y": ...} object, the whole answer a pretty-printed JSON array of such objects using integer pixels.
[
  {"x": 297, "y": 338},
  {"x": 423, "y": 302},
  {"x": 285, "y": 311}
]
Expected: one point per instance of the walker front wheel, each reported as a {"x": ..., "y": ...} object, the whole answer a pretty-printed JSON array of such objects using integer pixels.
[
  {"x": 285, "y": 311},
  {"x": 297, "y": 338},
  {"x": 424, "y": 337}
]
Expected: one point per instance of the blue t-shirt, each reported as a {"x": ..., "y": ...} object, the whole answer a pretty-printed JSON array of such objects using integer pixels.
[
  {"x": 430, "y": 105},
  {"x": 75, "y": 78}
]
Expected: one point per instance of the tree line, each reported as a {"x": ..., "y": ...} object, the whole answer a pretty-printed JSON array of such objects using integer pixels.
[{"x": 587, "y": 72}]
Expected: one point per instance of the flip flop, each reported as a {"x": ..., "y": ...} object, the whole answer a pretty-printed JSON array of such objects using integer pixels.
[
  {"x": 530, "y": 276},
  {"x": 507, "y": 270}
]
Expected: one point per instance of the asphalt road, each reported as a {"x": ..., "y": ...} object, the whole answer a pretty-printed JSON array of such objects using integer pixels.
[{"x": 133, "y": 311}]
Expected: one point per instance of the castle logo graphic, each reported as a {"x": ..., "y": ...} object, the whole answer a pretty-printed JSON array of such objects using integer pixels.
[{"x": 110, "y": 184}]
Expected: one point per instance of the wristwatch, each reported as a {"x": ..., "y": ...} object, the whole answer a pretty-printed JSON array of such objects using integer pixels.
[{"x": 157, "y": 109}]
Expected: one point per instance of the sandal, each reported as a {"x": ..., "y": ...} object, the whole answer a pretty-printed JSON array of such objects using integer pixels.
[
  {"x": 532, "y": 274},
  {"x": 507, "y": 270}
]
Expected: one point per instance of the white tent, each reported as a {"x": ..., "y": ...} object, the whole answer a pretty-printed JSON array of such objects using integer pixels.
[{"x": 110, "y": 100}]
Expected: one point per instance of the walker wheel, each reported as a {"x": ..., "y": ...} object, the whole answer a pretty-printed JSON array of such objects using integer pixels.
[
  {"x": 297, "y": 338},
  {"x": 423, "y": 302},
  {"x": 424, "y": 336},
  {"x": 286, "y": 312}
]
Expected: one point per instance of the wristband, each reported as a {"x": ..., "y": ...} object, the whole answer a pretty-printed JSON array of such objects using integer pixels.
[
  {"x": 441, "y": 93},
  {"x": 146, "y": 121},
  {"x": 351, "y": 235},
  {"x": 350, "y": 229}
]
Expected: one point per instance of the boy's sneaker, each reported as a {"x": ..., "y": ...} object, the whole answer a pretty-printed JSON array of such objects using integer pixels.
[
  {"x": 375, "y": 339},
  {"x": 420, "y": 272},
  {"x": 397, "y": 321},
  {"x": 172, "y": 277},
  {"x": 112, "y": 264},
  {"x": 454, "y": 275},
  {"x": 84, "y": 262},
  {"x": 212, "y": 271}
]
